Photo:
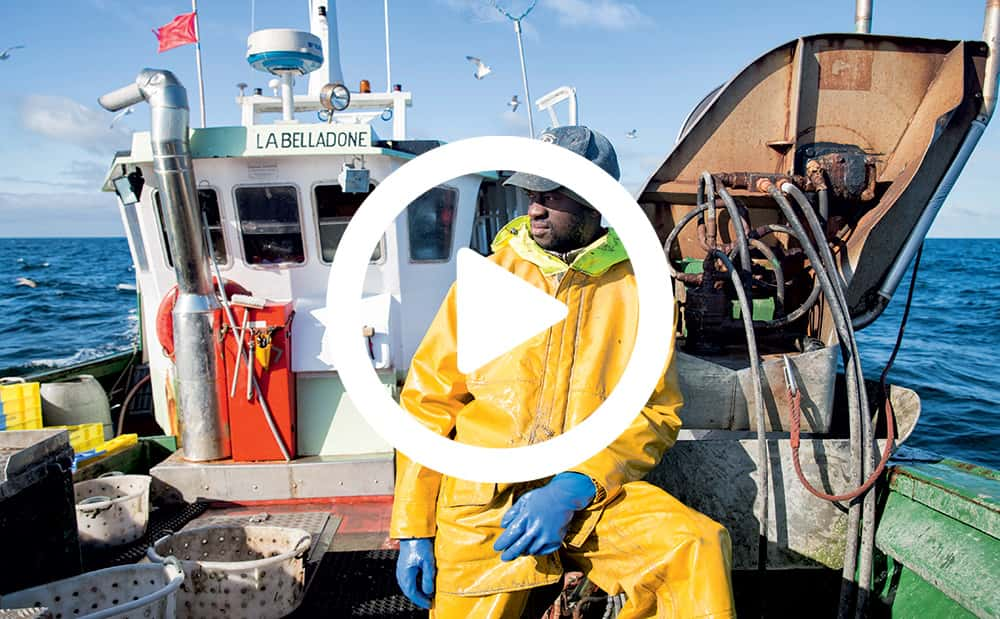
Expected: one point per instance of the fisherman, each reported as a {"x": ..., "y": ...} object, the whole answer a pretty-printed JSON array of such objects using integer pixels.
[{"x": 472, "y": 549}]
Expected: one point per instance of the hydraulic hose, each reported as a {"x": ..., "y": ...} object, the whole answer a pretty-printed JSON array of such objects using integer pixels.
[
  {"x": 779, "y": 273},
  {"x": 740, "y": 234},
  {"x": 706, "y": 182},
  {"x": 789, "y": 318},
  {"x": 871, "y": 469},
  {"x": 854, "y": 512},
  {"x": 762, "y": 456}
]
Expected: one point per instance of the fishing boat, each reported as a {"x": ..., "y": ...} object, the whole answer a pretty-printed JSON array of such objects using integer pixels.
[{"x": 791, "y": 205}]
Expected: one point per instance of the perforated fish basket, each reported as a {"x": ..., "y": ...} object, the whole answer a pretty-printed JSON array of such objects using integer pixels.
[
  {"x": 238, "y": 571},
  {"x": 112, "y": 510},
  {"x": 147, "y": 590}
]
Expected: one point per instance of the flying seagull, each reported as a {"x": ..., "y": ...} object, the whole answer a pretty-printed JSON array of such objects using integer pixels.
[
  {"x": 633, "y": 134},
  {"x": 120, "y": 115},
  {"x": 482, "y": 69},
  {"x": 5, "y": 54},
  {"x": 513, "y": 103}
]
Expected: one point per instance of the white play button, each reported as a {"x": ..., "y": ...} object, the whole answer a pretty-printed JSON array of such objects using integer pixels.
[{"x": 496, "y": 310}]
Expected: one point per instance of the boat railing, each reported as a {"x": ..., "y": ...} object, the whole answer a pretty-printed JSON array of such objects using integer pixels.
[{"x": 363, "y": 108}]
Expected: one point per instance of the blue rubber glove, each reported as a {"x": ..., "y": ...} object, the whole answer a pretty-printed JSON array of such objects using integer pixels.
[
  {"x": 536, "y": 523},
  {"x": 415, "y": 569}
]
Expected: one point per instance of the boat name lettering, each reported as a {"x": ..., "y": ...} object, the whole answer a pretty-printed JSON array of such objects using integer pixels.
[{"x": 284, "y": 139}]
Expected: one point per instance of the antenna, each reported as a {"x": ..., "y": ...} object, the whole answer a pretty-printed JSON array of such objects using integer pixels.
[{"x": 520, "y": 50}]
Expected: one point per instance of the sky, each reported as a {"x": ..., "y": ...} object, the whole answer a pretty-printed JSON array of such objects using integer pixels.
[{"x": 638, "y": 65}]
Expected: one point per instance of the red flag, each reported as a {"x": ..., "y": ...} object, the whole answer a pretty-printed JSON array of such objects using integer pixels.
[{"x": 178, "y": 32}]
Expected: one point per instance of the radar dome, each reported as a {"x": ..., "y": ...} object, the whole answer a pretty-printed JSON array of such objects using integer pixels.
[{"x": 279, "y": 50}]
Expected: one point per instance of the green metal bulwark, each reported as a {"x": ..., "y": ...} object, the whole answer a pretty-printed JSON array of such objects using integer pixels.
[{"x": 941, "y": 529}]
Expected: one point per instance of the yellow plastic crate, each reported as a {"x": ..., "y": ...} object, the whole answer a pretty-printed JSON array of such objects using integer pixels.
[
  {"x": 21, "y": 406},
  {"x": 85, "y": 436},
  {"x": 107, "y": 448}
]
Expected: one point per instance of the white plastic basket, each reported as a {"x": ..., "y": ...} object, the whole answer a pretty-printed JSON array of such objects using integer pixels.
[
  {"x": 238, "y": 572},
  {"x": 112, "y": 510},
  {"x": 147, "y": 590}
]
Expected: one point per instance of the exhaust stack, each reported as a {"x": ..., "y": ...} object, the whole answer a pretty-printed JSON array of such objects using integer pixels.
[{"x": 204, "y": 430}]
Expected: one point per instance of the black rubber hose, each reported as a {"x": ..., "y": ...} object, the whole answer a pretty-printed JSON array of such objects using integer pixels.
[
  {"x": 789, "y": 318},
  {"x": 707, "y": 182},
  {"x": 740, "y": 235},
  {"x": 869, "y": 448},
  {"x": 762, "y": 456},
  {"x": 847, "y": 592},
  {"x": 672, "y": 237},
  {"x": 779, "y": 273}
]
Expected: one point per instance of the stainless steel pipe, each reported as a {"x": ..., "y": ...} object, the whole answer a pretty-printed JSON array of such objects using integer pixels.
[
  {"x": 203, "y": 427},
  {"x": 863, "y": 16}
]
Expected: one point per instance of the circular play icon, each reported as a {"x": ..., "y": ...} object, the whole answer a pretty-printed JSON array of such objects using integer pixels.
[{"x": 478, "y": 339}]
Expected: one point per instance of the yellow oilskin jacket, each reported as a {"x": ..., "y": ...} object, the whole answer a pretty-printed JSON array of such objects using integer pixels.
[{"x": 538, "y": 390}]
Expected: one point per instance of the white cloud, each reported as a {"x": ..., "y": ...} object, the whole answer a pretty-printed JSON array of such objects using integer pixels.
[
  {"x": 66, "y": 120},
  {"x": 82, "y": 175},
  {"x": 59, "y": 214},
  {"x": 605, "y": 14}
]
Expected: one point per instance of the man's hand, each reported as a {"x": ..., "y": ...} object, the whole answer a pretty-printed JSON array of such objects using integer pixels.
[
  {"x": 415, "y": 569},
  {"x": 536, "y": 523}
]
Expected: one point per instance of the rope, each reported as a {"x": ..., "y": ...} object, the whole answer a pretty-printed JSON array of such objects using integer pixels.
[{"x": 796, "y": 411}]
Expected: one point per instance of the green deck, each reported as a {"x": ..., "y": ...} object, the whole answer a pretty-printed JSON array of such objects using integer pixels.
[{"x": 939, "y": 533}]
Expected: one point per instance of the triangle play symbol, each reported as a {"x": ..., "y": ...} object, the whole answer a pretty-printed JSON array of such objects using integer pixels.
[{"x": 497, "y": 310}]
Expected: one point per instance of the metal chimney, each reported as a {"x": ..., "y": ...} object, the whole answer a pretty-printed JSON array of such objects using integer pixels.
[{"x": 204, "y": 429}]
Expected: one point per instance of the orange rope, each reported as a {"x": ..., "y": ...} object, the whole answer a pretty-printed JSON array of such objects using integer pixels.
[{"x": 795, "y": 421}]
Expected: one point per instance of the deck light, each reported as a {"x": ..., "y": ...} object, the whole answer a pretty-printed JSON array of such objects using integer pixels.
[
  {"x": 335, "y": 97},
  {"x": 365, "y": 86},
  {"x": 129, "y": 186}
]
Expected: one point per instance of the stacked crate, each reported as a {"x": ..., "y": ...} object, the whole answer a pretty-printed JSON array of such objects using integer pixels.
[{"x": 20, "y": 407}]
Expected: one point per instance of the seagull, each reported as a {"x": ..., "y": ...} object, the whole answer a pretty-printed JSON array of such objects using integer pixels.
[
  {"x": 633, "y": 134},
  {"x": 482, "y": 69},
  {"x": 120, "y": 115},
  {"x": 24, "y": 281},
  {"x": 513, "y": 103},
  {"x": 5, "y": 54}
]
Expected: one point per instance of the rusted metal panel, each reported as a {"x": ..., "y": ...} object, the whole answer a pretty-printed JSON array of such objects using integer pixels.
[
  {"x": 891, "y": 97},
  {"x": 845, "y": 70}
]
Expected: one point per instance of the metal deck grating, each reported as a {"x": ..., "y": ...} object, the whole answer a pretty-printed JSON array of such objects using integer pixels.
[{"x": 357, "y": 584}]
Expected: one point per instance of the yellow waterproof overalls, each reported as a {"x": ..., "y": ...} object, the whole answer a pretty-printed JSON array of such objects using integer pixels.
[{"x": 670, "y": 560}]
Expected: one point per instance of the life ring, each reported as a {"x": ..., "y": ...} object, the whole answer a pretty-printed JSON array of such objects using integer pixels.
[{"x": 165, "y": 313}]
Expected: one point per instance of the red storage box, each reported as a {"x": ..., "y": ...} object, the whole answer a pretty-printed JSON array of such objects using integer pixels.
[{"x": 252, "y": 439}]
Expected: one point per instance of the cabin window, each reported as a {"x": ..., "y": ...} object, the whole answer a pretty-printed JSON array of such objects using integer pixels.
[
  {"x": 269, "y": 224},
  {"x": 430, "y": 219},
  {"x": 334, "y": 210},
  {"x": 209, "y": 202},
  {"x": 497, "y": 205}
]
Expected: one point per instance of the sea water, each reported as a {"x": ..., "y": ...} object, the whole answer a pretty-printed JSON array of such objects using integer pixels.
[{"x": 83, "y": 306}]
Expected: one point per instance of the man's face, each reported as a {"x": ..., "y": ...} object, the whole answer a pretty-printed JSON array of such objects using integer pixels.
[{"x": 560, "y": 223}]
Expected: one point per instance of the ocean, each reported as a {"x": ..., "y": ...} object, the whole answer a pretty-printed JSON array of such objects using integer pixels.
[{"x": 84, "y": 307}]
